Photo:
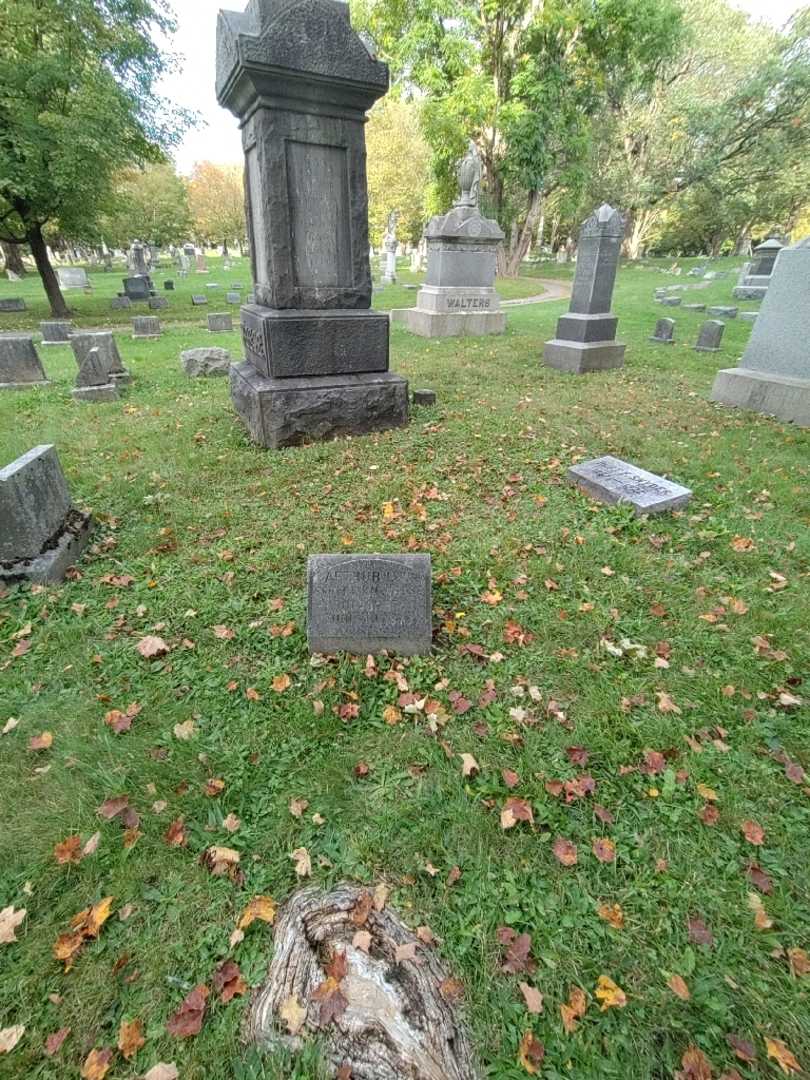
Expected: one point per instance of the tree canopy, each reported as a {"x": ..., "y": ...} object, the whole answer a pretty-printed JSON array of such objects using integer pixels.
[{"x": 217, "y": 199}]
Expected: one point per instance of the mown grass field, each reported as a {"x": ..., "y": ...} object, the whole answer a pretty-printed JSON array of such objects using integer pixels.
[{"x": 198, "y": 530}]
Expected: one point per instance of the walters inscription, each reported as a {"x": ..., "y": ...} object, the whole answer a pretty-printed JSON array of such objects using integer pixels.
[{"x": 370, "y": 603}]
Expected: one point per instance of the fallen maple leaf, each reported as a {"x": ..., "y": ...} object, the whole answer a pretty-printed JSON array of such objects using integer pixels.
[
  {"x": 531, "y": 1053},
  {"x": 519, "y": 946},
  {"x": 293, "y": 1013},
  {"x": 9, "y": 921},
  {"x": 151, "y": 648},
  {"x": 678, "y": 987},
  {"x": 262, "y": 908},
  {"x": 699, "y": 932},
  {"x": 53, "y": 1044},
  {"x": 67, "y": 851},
  {"x": 515, "y": 810},
  {"x": 303, "y": 863},
  {"x": 665, "y": 703},
  {"x": 130, "y": 1038},
  {"x": 573, "y": 1011},
  {"x": 9, "y": 1037},
  {"x": 222, "y": 861},
  {"x": 604, "y": 849},
  {"x": 743, "y": 1049},
  {"x": 753, "y": 832},
  {"x": 187, "y": 1021},
  {"x": 565, "y": 851},
  {"x": 613, "y": 914},
  {"x": 696, "y": 1066},
  {"x": 611, "y": 995},
  {"x": 532, "y": 997},
  {"x": 757, "y": 876},
  {"x": 362, "y": 909},
  {"x": 783, "y": 1057},
  {"x": 214, "y": 787},
  {"x": 175, "y": 835},
  {"x": 329, "y": 995},
  {"x": 97, "y": 1064},
  {"x": 228, "y": 982}
]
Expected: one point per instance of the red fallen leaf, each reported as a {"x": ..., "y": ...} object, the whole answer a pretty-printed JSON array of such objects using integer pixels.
[
  {"x": 111, "y": 808},
  {"x": 709, "y": 815},
  {"x": 554, "y": 788},
  {"x": 654, "y": 762},
  {"x": 603, "y": 814},
  {"x": 488, "y": 697},
  {"x": 515, "y": 810},
  {"x": 459, "y": 703},
  {"x": 514, "y": 634},
  {"x": 21, "y": 648},
  {"x": 187, "y": 1021},
  {"x": 518, "y": 947},
  {"x": 699, "y": 932},
  {"x": 175, "y": 835},
  {"x": 758, "y": 877},
  {"x": 228, "y": 982},
  {"x": 744, "y": 1050},
  {"x": 565, "y": 851},
  {"x": 68, "y": 851},
  {"x": 579, "y": 788},
  {"x": 511, "y": 779},
  {"x": 604, "y": 849},
  {"x": 753, "y": 832},
  {"x": 578, "y": 755},
  {"x": 477, "y": 652},
  {"x": 696, "y": 1066},
  {"x": 361, "y": 770},
  {"x": 53, "y": 1044},
  {"x": 795, "y": 773}
]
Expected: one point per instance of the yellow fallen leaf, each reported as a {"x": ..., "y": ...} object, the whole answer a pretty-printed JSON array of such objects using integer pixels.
[
  {"x": 784, "y": 1058},
  {"x": 613, "y": 914},
  {"x": 293, "y": 1013},
  {"x": 262, "y": 908},
  {"x": 678, "y": 987},
  {"x": 611, "y": 995}
]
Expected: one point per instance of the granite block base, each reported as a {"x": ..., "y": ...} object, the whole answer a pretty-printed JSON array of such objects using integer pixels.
[
  {"x": 583, "y": 357},
  {"x": 290, "y": 412},
  {"x": 24, "y": 385},
  {"x": 750, "y": 292},
  {"x": 785, "y": 398},
  {"x": 62, "y": 552},
  {"x": 297, "y": 343},
  {"x": 445, "y": 324},
  {"x": 575, "y": 326},
  {"x": 93, "y": 394}
]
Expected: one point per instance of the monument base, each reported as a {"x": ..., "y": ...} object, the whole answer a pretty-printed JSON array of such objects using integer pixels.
[
  {"x": 443, "y": 324},
  {"x": 750, "y": 292},
  {"x": 296, "y": 343},
  {"x": 105, "y": 392},
  {"x": 583, "y": 357},
  {"x": 785, "y": 398},
  {"x": 52, "y": 564},
  {"x": 289, "y": 412},
  {"x": 24, "y": 385}
]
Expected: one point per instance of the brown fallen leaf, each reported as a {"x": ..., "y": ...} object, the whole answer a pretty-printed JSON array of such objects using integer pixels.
[
  {"x": 331, "y": 1000},
  {"x": 696, "y": 1066},
  {"x": 67, "y": 851},
  {"x": 298, "y": 806},
  {"x": 783, "y": 1057},
  {"x": 222, "y": 862},
  {"x": 9, "y": 921},
  {"x": 515, "y": 810},
  {"x": 231, "y": 823},
  {"x": 762, "y": 920},
  {"x": 97, "y": 1064},
  {"x": 757, "y": 876},
  {"x": 41, "y": 742},
  {"x": 362, "y": 940},
  {"x": 797, "y": 958},
  {"x": 532, "y": 997},
  {"x": 573, "y": 1011},
  {"x": 228, "y": 982},
  {"x": 678, "y": 987},
  {"x": 565, "y": 851},
  {"x": 518, "y": 949},
  {"x": 468, "y": 765},
  {"x": 151, "y": 648},
  {"x": 187, "y": 1021},
  {"x": 303, "y": 863},
  {"x": 613, "y": 914},
  {"x": 130, "y": 1038},
  {"x": 405, "y": 952},
  {"x": 753, "y": 832},
  {"x": 699, "y": 932},
  {"x": 53, "y": 1044},
  {"x": 175, "y": 835},
  {"x": 531, "y": 1053},
  {"x": 743, "y": 1049},
  {"x": 604, "y": 849},
  {"x": 162, "y": 1071}
]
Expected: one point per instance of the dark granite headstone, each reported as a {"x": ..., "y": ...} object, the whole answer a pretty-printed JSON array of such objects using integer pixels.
[
  {"x": 103, "y": 340},
  {"x": 664, "y": 332},
  {"x": 612, "y": 480},
  {"x": 672, "y": 301},
  {"x": 233, "y": 297},
  {"x": 120, "y": 303},
  {"x": 586, "y": 336},
  {"x": 56, "y": 331},
  {"x": 711, "y": 334},
  {"x": 138, "y": 288},
  {"x": 168, "y": 286},
  {"x": 20, "y": 365},
  {"x": 307, "y": 198},
  {"x": 366, "y": 604},
  {"x": 94, "y": 382},
  {"x": 694, "y": 307}
]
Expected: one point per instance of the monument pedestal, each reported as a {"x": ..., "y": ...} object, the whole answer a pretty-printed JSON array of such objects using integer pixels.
[
  {"x": 583, "y": 357},
  {"x": 290, "y": 411},
  {"x": 781, "y": 396},
  {"x": 453, "y": 312}
]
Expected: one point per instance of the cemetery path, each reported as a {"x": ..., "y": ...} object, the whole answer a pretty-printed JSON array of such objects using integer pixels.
[{"x": 553, "y": 290}]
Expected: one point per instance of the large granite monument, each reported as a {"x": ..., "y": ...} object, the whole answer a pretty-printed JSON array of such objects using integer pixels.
[
  {"x": 586, "y": 336},
  {"x": 754, "y": 283},
  {"x": 458, "y": 298},
  {"x": 300, "y": 80},
  {"x": 773, "y": 376}
]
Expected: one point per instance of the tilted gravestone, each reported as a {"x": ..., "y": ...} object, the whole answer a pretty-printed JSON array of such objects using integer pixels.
[
  {"x": 749, "y": 316},
  {"x": 586, "y": 336},
  {"x": 202, "y": 363},
  {"x": 773, "y": 376},
  {"x": 611, "y": 480},
  {"x": 458, "y": 298},
  {"x": 723, "y": 312},
  {"x": 73, "y": 277},
  {"x": 103, "y": 340},
  {"x": 56, "y": 331},
  {"x": 220, "y": 323},
  {"x": 12, "y": 304},
  {"x": 664, "y": 332},
  {"x": 120, "y": 303},
  {"x": 158, "y": 303},
  {"x": 199, "y": 301},
  {"x": 42, "y": 534},
  {"x": 366, "y": 604},
  {"x": 146, "y": 326},
  {"x": 94, "y": 382},
  {"x": 710, "y": 337},
  {"x": 316, "y": 357},
  {"x": 20, "y": 365}
]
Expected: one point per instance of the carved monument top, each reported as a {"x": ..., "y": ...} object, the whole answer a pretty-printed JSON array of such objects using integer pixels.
[
  {"x": 603, "y": 222},
  {"x": 469, "y": 177}
]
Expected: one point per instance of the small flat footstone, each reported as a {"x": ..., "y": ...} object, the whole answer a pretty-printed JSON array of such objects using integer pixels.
[
  {"x": 367, "y": 604},
  {"x": 612, "y": 480},
  {"x": 424, "y": 397},
  {"x": 393, "y": 1010}
]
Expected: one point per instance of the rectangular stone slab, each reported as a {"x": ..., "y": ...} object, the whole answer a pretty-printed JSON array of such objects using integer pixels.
[
  {"x": 611, "y": 480},
  {"x": 366, "y": 604},
  {"x": 34, "y": 501}
]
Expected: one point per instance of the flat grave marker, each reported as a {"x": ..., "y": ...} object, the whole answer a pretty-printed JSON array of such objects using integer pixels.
[{"x": 611, "y": 480}]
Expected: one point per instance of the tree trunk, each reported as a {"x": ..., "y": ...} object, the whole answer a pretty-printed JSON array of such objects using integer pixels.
[
  {"x": 13, "y": 258},
  {"x": 225, "y": 248},
  {"x": 50, "y": 281},
  {"x": 520, "y": 241}
]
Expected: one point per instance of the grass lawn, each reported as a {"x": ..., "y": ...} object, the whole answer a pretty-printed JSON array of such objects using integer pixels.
[{"x": 663, "y": 659}]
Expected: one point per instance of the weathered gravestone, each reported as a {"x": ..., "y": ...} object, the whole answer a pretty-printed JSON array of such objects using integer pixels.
[
  {"x": 365, "y": 604},
  {"x": 301, "y": 80},
  {"x": 233, "y": 297},
  {"x": 20, "y": 365},
  {"x": 424, "y": 397},
  {"x": 120, "y": 303},
  {"x": 200, "y": 363},
  {"x": 168, "y": 286},
  {"x": 42, "y": 534},
  {"x": 754, "y": 283},
  {"x": 146, "y": 326},
  {"x": 672, "y": 301},
  {"x": 694, "y": 307},
  {"x": 749, "y": 316},
  {"x": 722, "y": 312},
  {"x": 73, "y": 277},
  {"x": 12, "y": 304},
  {"x": 202, "y": 265},
  {"x": 199, "y": 301},
  {"x": 610, "y": 480},
  {"x": 586, "y": 336},
  {"x": 773, "y": 376},
  {"x": 56, "y": 331},
  {"x": 137, "y": 261},
  {"x": 94, "y": 382},
  {"x": 220, "y": 323},
  {"x": 12, "y": 276},
  {"x": 137, "y": 288},
  {"x": 158, "y": 303},
  {"x": 710, "y": 337},
  {"x": 103, "y": 340},
  {"x": 664, "y": 332},
  {"x": 458, "y": 298}
]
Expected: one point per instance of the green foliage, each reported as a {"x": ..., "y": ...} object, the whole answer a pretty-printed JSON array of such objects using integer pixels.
[
  {"x": 217, "y": 199},
  {"x": 398, "y": 168},
  {"x": 150, "y": 204}
]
